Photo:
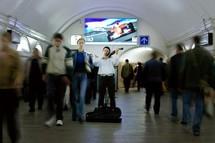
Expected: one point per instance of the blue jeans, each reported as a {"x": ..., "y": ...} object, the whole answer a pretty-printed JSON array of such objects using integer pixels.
[
  {"x": 174, "y": 97},
  {"x": 79, "y": 87},
  {"x": 198, "y": 113}
]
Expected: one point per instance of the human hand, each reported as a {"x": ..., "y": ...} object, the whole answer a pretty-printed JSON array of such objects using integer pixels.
[{"x": 66, "y": 80}]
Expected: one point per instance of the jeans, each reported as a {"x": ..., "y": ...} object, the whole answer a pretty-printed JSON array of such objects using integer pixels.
[
  {"x": 56, "y": 89},
  {"x": 174, "y": 97},
  {"x": 198, "y": 113},
  {"x": 79, "y": 87}
]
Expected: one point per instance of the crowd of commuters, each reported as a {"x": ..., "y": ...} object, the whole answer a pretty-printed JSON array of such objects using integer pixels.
[{"x": 60, "y": 68}]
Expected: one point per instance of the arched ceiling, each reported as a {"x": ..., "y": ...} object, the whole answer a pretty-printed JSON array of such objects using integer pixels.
[{"x": 170, "y": 17}]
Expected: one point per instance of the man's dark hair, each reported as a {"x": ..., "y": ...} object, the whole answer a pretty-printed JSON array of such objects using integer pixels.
[
  {"x": 197, "y": 39},
  {"x": 161, "y": 59},
  {"x": 106, "y": 47},
  {"x": 180, "y": 47},
  {"x": 154, "y": 54},
  {"x": 58, "y": 36},
  {"x": 127, "y": 61}
]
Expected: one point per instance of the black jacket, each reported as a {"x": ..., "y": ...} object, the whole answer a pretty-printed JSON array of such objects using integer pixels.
[
  {"x": 197, "y": 67},
  {"x": 153, "y": 72},
  {"x": 175, "y": 71}
]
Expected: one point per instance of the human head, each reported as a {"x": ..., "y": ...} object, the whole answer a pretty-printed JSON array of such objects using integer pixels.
[
  {"x": 161, "y": 59},
  {"x": 154, "y": 55},
  {"x": 35, "y": 52},
  {"x": 5, "y": 39},
  {"x": 196, "y": 40},
  {"x": 57, "y": 39},
  {"x": 106, "y": 51},
  {"x": 139, "y": 63},
  {"x": 126, "y": 61},
  {"x": 179, "y": 48},
  {"x": 81, "y": 43}
]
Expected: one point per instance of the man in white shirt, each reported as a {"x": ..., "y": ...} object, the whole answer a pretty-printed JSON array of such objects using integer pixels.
[{"x": 106, "y": 74}]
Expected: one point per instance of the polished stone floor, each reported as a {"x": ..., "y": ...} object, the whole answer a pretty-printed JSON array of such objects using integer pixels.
[{"x": 136, "y": 126}]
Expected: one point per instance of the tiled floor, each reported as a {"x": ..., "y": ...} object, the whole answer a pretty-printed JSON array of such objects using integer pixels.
[{"x": 136, "y": 127}]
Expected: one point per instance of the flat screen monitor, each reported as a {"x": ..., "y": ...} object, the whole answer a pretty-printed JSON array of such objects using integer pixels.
[{"x": 111, "y": 30}]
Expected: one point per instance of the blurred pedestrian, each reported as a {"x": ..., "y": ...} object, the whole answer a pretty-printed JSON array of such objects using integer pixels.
[{"x": 10, "y": 82}]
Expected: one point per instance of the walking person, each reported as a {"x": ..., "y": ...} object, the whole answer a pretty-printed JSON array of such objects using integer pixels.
[
  {"x": 197, "y": 72},
  {"x": 82, "y": 64},
  {"x": 138, "y": 75},
  {"x": 127, "y": 74},
  {"x": 174, "y": 80},
  {"x": 11, "y": 80},
  {"x": 56, "y": 67},
  {"x": 153, "y": 76},
  {"x": 34, "y": 80}
]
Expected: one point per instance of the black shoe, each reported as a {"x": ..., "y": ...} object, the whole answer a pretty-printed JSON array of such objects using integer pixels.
[
  {"x": 32, "y": 110},
  {"x": 184, "y": 123},
  {"x": 196, "y": 133},
  {"x": 81, "y": 120}
]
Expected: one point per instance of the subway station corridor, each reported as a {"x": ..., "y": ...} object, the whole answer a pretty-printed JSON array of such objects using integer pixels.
[{"x": 136, "y": 127}]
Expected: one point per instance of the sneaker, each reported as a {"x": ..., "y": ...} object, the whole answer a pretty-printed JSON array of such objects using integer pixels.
[
  {"x": 59, "y": 123},
  {"x": 50, "y": 122}
]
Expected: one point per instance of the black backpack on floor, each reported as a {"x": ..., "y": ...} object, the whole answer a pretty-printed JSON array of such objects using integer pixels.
[{"x": 105, "y": 114}]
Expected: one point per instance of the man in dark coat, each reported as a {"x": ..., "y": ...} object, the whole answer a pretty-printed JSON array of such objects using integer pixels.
[
  {"x": 153, "y": 73},
  {"x": 174, "y": 81},
  {"x": 197, "y": 72}
]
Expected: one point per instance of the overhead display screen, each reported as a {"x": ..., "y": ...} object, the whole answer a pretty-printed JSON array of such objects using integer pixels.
[{"x": 111, "y": 30}]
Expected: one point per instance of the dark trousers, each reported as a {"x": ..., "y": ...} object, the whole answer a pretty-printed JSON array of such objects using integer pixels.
[
  {"x": 35, "y": 93},
  {"x": 139, "y": 84},
  {"x": 156, "y": 90},
  {"x": 8, "y": 110},
  {"x": 109, "y": 83},
  {"x": 127, "y": 82},
  {"x": 91, "y": 90},
  {"x": 56, "y": 89}
]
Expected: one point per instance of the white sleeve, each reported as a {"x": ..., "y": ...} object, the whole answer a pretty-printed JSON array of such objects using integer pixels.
[
  {"x": 96, "y": 61},
  {"x": 115, "y": 60}
]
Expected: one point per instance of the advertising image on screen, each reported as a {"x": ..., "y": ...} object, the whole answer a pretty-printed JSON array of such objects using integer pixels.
[{"x": 115, "y": 30}]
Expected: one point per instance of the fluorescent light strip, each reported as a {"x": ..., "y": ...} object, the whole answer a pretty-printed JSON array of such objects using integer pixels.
[{"x": 109, "y": 43}]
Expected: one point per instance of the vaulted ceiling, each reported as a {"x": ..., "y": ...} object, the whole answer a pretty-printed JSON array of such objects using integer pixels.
[{"x": 170, "y": 17}]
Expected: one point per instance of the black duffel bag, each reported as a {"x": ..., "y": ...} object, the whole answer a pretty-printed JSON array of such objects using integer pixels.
[{"x": 105, "y": 114}]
